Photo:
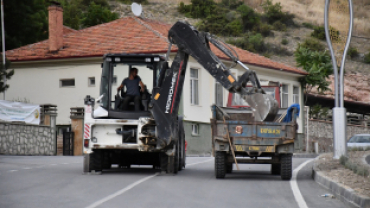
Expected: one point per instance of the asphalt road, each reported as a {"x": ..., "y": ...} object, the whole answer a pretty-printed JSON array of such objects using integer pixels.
[{"x": 35, "y": 181}]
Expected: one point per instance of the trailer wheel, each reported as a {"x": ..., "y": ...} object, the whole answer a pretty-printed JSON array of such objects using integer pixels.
[
  {"x": 275, "y": 169},
  {"x": 220, "y": 164},
  {"x": 229, "y": 168},
  {"x": 286, "y": 167}
]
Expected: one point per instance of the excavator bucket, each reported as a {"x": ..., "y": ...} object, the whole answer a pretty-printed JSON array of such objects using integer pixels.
[{"x": 264, "y": 106}]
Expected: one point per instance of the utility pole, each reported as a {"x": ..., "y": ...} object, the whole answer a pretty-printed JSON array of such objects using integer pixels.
[{"x": 3, "y": 42}]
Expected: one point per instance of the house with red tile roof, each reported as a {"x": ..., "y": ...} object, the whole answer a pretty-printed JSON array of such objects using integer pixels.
[{"x": 65, "y": 68}]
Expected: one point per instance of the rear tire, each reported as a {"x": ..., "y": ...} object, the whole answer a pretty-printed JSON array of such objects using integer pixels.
[
  {"x": 182, "y": 144},
  {"x": 92, "y": 162},
  {"x": 286, "y": 167},
  {"x": 220, "y": 164}
]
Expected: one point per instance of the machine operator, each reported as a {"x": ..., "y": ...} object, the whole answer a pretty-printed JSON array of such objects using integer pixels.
[{"x": 132, "y": 89}]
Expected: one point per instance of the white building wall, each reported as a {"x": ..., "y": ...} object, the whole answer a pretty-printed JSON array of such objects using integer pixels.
[{"x": 40, "y": 85}]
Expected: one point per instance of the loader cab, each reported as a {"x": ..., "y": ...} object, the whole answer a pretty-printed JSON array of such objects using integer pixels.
[{"x": 115, "y": 69}]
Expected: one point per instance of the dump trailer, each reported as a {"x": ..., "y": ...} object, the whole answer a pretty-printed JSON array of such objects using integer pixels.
[{"x": 238, "y": 138}]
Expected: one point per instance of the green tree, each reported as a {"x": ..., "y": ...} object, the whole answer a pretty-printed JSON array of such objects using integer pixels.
[
  {"x": 72, "y": 13},
  {"x": 8, "y": 73},
  {"x": 26, "y": 22},
  {"x": 249, "y": 17},
  {"x": 96, "y": 14},
  {"x": 319, "y": 67}
]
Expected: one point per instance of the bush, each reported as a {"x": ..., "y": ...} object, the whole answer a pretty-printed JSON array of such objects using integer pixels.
[
  {"x": 264, "y": 29},
  {"x": 198, "y": 8},
  {"x": 352, "y": 52},
  {"x": 274, "y": 13},
  {"x": 234, "y": 28},
  {"x": 312, "y": 44},
  {"x": 319, "y": 33},
  {"x": 307, "y": 25},
  {"x": 253, "y": 43},
  {"x": 367, "y": 58},
  {"x": 350, "y": 165},
  {"x": 249, "y": 17},
  {"x": 232, "y": 4},
  {"x": 284, "y": 41},
  {"x": 362, "y": 171},
  {"x": 279, "y": 26},
  {"x": 343, "y": 159}
]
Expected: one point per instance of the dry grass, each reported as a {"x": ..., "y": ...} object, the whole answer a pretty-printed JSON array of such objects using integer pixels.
[{"x": 312, "y": 11}]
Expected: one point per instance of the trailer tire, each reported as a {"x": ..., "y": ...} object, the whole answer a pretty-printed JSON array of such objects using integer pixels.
[
  {"x": 286, "y": 167},
  {"x": 229, "y": 168},
  {"x": 275, "y": 169},
  {"x": 220, "y": 164}
]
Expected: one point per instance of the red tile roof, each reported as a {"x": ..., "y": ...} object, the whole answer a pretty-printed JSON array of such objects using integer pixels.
[{"x": 126, "y": 35}]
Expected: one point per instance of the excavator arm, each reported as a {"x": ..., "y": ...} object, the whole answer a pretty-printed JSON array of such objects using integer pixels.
[{"x": 167, "y": 93}]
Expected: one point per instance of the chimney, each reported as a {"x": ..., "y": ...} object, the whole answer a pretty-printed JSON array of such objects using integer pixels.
[{"x": 55, "y": 27}]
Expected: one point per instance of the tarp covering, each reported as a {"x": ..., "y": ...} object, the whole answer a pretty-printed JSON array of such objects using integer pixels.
[{"x": 16, "y": 111}]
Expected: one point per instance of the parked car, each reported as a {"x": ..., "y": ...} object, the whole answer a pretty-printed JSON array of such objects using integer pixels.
[{"x": 359, "y": 141}]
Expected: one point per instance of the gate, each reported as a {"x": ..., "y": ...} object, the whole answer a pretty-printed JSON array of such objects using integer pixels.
[{"x": 68, "y": 138}]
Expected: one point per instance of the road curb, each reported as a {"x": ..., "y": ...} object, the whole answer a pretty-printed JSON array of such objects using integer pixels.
[
  {"x": 346, "y": 195},
  {"x": 305, "y": 155}
]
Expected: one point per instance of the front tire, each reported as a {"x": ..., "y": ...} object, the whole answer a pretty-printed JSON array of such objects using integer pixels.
[{"x": 220, "y": 164}]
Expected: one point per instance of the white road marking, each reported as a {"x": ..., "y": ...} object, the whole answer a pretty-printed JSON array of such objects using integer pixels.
[
  {"x": 199, "y": 162},
  {"x": 27, "y": 168},
  {"x": 12, "y": 171},
  {"x": 65, "y": 163},
  {"x": 120, "y": 192},
  {"x": 53, "y": 164},
  {"x": 294, "y": 185}
]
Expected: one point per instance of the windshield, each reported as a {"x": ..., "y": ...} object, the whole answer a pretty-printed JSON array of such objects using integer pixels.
[
  {"x": 104, "y": 85},
  {"x": 113, "y": 75},
  {"x": 238, "y": 101},
  {"x": 360, "y": 139}
]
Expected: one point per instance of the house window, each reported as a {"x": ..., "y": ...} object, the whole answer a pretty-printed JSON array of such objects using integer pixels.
[
  {"x": 284, "y": 96},
  {"x": 114, "y": 81},
  {"x": 194, "y": 99},
  {"x": 91, "y": 81},
  {"x": 195, "y": 129},
  {"x": 295, "y": 94},
  {"x": 219, "y": 94},
  {"x": 67, "y": 82}
]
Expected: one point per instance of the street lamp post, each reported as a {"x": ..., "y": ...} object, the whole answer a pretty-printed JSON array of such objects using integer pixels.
[{"x": 339, "y": 112}]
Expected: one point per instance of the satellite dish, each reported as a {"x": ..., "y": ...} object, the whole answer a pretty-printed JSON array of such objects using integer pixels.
[{"x": 136, "y": 9}]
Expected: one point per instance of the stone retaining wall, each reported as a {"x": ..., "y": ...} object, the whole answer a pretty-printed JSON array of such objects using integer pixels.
[
  {"x": 322, "y": 132},
  {"x": 22, "y": 139}
]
